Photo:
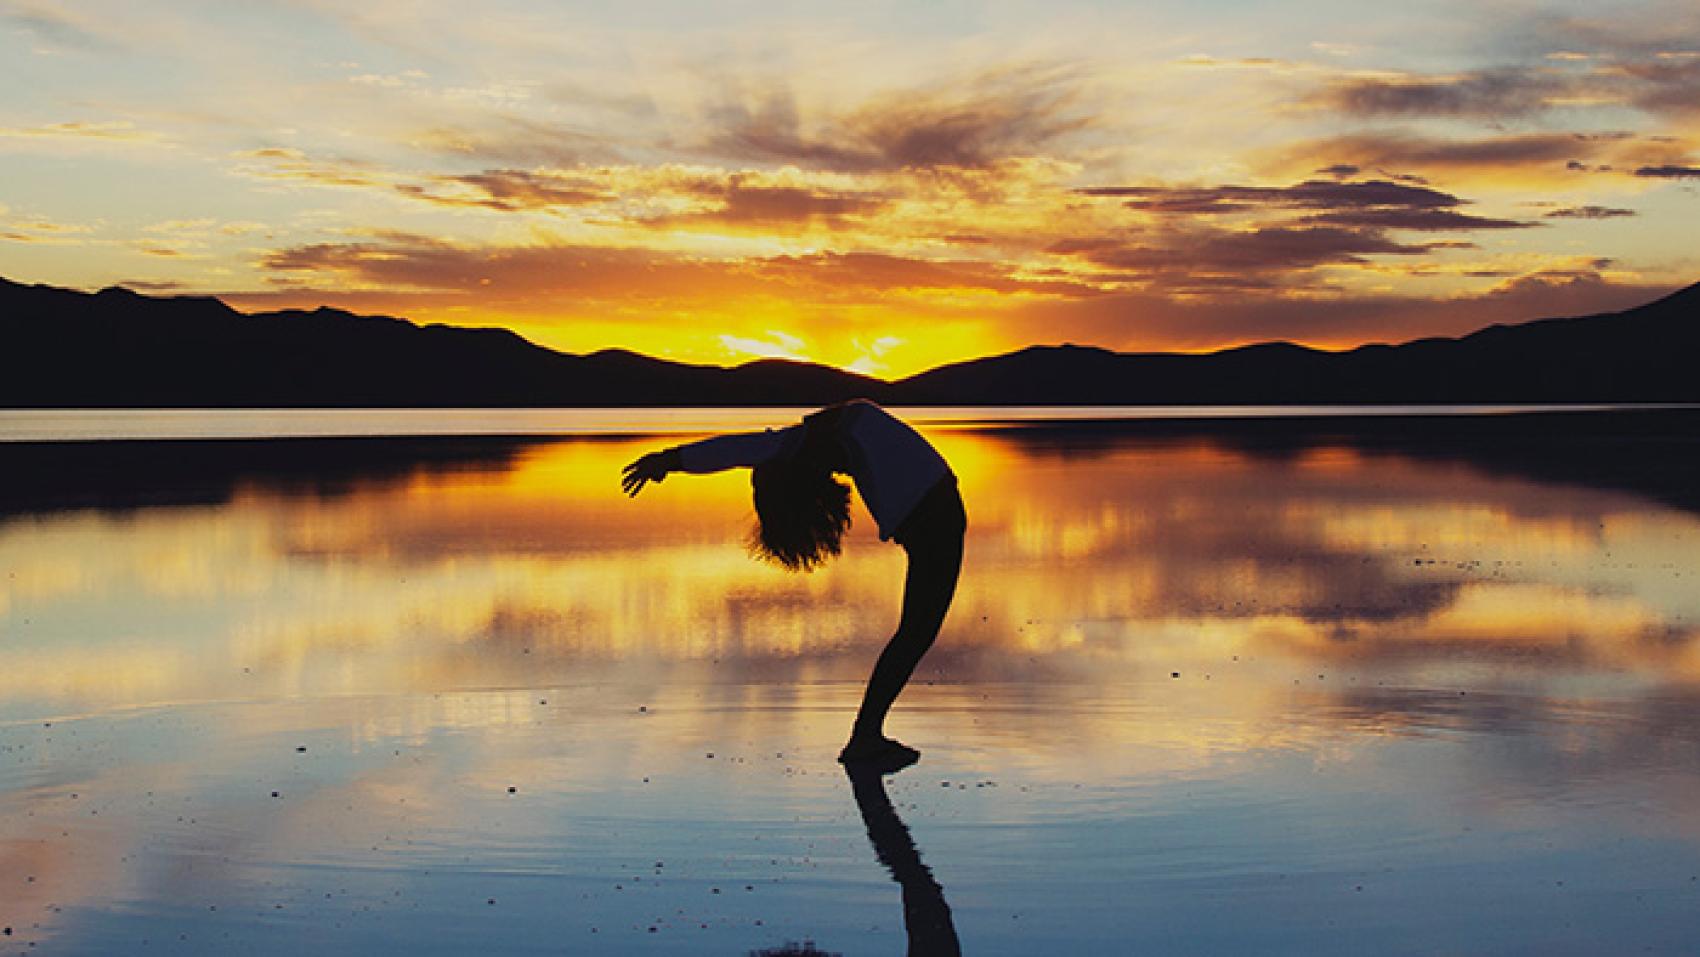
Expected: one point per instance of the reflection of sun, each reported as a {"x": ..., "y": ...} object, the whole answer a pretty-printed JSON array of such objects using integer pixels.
[{"x": 1126, "y": 561}]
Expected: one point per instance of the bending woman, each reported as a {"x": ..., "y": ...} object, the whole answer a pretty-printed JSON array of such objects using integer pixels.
[{"x": 802, "y": 513}]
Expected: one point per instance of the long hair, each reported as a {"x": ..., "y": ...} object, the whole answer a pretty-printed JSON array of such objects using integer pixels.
[{"x": 802, "y": 512}]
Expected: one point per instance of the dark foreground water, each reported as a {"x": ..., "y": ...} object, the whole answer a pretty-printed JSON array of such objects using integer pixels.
[{"x": 1391, "y": 686}]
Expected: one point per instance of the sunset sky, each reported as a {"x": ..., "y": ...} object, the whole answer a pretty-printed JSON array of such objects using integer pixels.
[{"x": 881, "y": 186}]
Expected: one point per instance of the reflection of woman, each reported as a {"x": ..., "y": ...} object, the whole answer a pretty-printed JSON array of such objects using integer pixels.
[
  {"x": 926, "y": 916},
  {"x": 802, "y": 512}
]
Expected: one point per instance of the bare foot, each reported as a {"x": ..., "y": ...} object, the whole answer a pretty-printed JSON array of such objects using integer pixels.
[{"x": 882, "y": 752}]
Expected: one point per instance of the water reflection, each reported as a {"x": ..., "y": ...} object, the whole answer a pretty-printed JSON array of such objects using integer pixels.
[
  {"x": 494, "y": 564},
  {"x": 926, "y": 916},
  {"x": 1237, "y": 674}
]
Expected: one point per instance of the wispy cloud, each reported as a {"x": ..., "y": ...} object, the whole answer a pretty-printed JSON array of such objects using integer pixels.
[
  {"x": 507, "y": 138},
  {"x": 1497, "y": 93},
  {"x": 1277, "y": 230},
  {"x": 1588, "y": 212},
  {"x": 1311, "y": 194},
  {"x": 972, "y": 123},
  {"x": 53, "y": 24},
  {"x": 113, "y": 130},
  {"x": 1668, "y": 171}
]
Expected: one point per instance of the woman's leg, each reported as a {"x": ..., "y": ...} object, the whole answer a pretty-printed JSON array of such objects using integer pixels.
[{"x": 935, "y": 562}]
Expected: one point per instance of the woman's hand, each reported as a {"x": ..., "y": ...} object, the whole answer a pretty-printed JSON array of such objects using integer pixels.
[{"x": 651, "y": 468}]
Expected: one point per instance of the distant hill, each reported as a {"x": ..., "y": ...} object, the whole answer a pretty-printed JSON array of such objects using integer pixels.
[
  {"x": 119, "y": 349},
  {"x": 61, "y": 348},
  {"x": 1645, "y": 354}
]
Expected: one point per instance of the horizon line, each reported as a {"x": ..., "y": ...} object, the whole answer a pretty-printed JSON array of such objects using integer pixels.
[{"x": 220, "y": 297}]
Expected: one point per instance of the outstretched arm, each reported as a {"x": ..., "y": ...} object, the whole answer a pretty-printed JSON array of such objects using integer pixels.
[{"x": 709, "y": 455}]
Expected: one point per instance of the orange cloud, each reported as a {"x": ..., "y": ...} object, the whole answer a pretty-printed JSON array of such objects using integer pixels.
[{"x": 407, "y": 261}]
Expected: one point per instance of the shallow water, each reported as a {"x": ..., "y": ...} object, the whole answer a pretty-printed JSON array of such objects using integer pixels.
[
  {"x": 1202, "y": 691},
  {"x": 60, "y": 425}
]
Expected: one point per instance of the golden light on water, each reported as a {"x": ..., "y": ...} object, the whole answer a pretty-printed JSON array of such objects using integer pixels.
[{"x": 1124, "y": 562}]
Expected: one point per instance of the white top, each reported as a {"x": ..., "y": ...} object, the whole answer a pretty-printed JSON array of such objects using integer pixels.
[{"x": 892, "y": 465}]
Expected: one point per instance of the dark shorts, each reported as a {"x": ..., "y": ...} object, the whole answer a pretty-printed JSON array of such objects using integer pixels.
[{"x": 939, "y": 517}]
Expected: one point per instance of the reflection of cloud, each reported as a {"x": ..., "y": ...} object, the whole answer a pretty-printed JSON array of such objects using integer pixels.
[
  {"x": 534, "y": 569},
  {"x": 1549, "y": 746}
]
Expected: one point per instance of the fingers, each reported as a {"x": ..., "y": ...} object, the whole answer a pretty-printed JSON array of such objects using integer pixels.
[
  {"x": 636, "y": 474},
  {"x": 632, "y": 477}
]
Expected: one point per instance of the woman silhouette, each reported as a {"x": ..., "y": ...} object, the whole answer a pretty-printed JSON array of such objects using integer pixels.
[{"x": 802, "y": 512}]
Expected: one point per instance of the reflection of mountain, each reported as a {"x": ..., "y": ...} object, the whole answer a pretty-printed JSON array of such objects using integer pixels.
[
  {"x": 1655, "y": 453},
  {"x": 52, "y": 476},
  {"x": 119, "y": 349}
]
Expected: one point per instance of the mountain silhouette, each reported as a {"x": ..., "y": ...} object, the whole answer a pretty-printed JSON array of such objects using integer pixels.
[
  {"x": 61, "y": 348},
  {"x": 1638, "y": 355},
  {"x": 120, "y": 349}
]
